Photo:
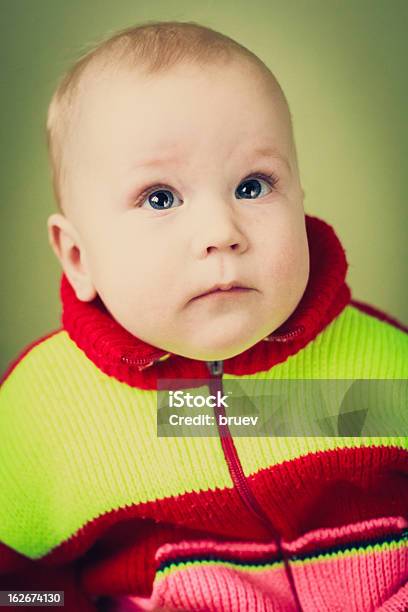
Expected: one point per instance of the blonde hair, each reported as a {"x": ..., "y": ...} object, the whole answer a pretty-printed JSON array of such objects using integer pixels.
[{"x": 152, "y": 47}]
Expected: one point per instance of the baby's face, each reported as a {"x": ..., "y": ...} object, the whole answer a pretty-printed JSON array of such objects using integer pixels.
[{"x": 171, "y": 196}]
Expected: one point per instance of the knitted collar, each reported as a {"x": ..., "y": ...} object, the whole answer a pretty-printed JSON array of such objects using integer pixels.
[{"x": 118, "y": 353}]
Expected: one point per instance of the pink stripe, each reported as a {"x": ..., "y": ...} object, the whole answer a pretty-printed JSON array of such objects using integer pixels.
[
  {"x": 319, "y": 539},
  {"x": 361, "y": 582},
  {"x": 371, "y": 580},
  {"x": 398, "y": 602},
  {"x": 336, "y": 536}
]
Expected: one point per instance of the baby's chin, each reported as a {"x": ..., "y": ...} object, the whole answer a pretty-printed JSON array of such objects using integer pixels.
[
  {"x": 220, "y": 336},
  {"x": 218, "y": 347},
  {"x": 212, "y": 353}
]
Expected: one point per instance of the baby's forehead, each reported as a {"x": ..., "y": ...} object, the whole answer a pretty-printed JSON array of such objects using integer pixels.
[
  {"x": 110, "y": 102},
  {"x": 182, "y": 98},
  {"x": 100, "y": 80}
]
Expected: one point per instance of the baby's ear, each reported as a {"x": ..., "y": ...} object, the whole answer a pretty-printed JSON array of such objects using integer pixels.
[{"x": 66, "y": 244}]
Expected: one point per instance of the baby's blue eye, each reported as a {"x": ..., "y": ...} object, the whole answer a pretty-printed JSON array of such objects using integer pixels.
[
  {"x": 250, "y": 188},
  {"x": 161, "y": 199}
]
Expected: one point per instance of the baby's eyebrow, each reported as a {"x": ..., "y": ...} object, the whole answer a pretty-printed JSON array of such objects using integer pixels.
[
  {"x": 157, "y": 161},
  {"x": 265, "y": 152},
  {"x": 268, "y": 152}
]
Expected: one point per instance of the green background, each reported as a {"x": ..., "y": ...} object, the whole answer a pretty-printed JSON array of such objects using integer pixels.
[{"x": 343, "y": 67}]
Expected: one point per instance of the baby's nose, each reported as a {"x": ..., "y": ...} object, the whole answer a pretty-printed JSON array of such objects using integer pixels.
[{"x": 219, "y": 230}]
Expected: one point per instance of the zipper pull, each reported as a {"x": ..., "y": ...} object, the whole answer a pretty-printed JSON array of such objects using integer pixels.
[
  {"x": 287, "y": 337},
  {"x": 141, "y": 363},
  {"x": 216, "y": 368}
]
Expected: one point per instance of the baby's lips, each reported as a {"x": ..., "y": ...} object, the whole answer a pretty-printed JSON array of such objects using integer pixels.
[{"x": 220, "y": 287}]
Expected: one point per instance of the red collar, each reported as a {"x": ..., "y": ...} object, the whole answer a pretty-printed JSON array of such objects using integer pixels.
[{"x": 117, "y": 353}]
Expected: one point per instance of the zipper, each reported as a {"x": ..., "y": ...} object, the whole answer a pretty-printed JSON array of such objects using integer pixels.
[
  {"x": 231, "y": 456},
  {"x": 216, "y": 369}
]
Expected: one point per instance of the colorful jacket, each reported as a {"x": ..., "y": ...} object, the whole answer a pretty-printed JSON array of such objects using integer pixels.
[{"x": 94, "y": 503}]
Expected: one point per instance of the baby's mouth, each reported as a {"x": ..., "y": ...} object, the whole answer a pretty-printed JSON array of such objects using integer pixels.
[{"x": 224, "y": 291}]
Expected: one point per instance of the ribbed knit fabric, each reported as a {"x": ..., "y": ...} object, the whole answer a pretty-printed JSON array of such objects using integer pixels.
[
  {"x": 233, "y": 576},
  {"x": 94, "y": 503}
]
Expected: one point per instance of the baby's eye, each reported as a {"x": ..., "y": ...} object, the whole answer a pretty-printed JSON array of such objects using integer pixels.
[
  {"x": 160, "y": 199},
  {"x": 251, "y": 187}
]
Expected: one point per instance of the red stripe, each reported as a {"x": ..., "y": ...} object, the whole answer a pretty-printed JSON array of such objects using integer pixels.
[
  {"x": 318, "y": 490},
  {"x": 379, "y": 314},
  {"x": 323, "y": 490}
]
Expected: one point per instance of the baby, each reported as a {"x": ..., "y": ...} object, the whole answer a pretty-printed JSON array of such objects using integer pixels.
[{"x": 186, "y": 254}]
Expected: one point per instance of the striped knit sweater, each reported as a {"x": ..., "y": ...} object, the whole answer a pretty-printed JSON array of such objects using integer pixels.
[{"x": 94, "y": 503}]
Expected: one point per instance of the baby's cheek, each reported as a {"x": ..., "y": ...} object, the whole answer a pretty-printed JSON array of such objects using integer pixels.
[
  {"x": 290, "y": 268},
  {"x": 287, "y": 258}
]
